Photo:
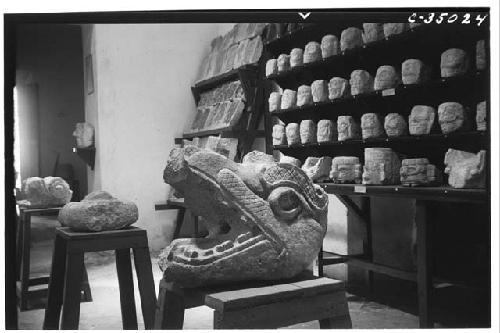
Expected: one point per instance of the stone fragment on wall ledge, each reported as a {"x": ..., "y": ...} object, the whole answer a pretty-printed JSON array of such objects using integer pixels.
[{"x": 84, "y": 135}]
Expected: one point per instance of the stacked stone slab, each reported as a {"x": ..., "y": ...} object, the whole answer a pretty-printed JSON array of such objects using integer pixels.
[{"x": 242, "y": 45}]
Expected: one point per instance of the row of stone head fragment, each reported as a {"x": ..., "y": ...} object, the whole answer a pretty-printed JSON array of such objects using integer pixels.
[
  {"x": 454, "y": 62},
  {"x": 384, "y": 167},
  {"x": 452, "y": 117},
  {"x": 330, "y": 45}
]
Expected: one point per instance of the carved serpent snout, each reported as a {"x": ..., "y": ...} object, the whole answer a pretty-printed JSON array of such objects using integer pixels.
[{"x": 265, "y": 220}]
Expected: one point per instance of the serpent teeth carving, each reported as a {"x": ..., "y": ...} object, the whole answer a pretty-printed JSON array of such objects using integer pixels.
[{"x": 265, "y": 220}]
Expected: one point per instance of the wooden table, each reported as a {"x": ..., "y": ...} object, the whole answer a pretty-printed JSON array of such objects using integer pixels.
[
  {"x": 23, "y": 255},
  {"x": 423, "y": 196}
]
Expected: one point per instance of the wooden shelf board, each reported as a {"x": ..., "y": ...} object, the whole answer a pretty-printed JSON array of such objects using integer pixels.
[
  {"x": 442, "y": 193},
  {"x": 387, "y": 141}
]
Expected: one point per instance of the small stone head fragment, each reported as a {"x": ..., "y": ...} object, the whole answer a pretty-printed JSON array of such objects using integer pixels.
[
  {"x": 454, "y": 62},
  {"x": 421, "y": 119},
  {"x": 304, "y": 95},
  {"x": 452, "y": 117},
  {"x": 329, "y": 46}
]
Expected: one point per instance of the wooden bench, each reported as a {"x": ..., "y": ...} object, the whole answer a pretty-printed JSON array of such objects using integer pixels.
[{"x": 260, "y": 304}]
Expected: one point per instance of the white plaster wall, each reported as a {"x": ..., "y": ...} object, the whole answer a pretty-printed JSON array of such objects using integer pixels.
[{"x": 143, "y": 75}]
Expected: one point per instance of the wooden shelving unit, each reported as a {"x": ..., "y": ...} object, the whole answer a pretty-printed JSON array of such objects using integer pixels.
[{"x": 425, "y": 42}]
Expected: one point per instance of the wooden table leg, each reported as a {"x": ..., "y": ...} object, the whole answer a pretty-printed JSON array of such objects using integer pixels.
[
  {"x": 87, "y": 293},
  {"x": 146, "y": 283},
  {"x": 56, "y": 285},
  {"x": 72, "y": 291},
  {"x": 19, "y": 242},
  {"x": 170, "y": 310},
  {"x": 424, "y": 271},
  {"x": 343, "y": 322},
  {"x": 25, "y": 261},
  {"x": 126, "y": 284}
]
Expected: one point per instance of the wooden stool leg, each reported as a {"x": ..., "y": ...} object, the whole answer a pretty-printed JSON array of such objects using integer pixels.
[
  {"x": 170, "y": 310},
  {"x": 25, "y": 261},
  {"x": 72, "y": 291},
  {"x": 87, "y": 294},
  {"x": 336, "y": 322},
  {"x": 126, "y": 283},
  {"x": 146, "y": 283},
  {"x": 56, "y": 285}
]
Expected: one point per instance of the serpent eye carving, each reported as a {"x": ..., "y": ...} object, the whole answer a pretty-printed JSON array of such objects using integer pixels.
[{"x": 285, "y": 203}]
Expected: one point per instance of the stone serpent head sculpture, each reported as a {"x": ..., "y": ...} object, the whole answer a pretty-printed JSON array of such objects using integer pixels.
[{"x": 265, "y": 220}]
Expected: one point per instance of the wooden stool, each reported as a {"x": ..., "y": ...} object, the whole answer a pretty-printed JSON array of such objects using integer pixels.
[
  {"x": 66, "y": 275},
  {"x": 262, "y": 305},
  {"x": 23, "y": 255}
]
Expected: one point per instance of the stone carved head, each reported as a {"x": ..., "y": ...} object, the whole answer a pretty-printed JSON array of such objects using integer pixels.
[
  {"x": 319, "y": 90},
  {"x": 371, "y": 126},
  {"x": 465, "y": 169},
  {"x": 346, "y": 169},
  {"x": 452, "y": 117},
  {"x": 312, "y": 52},
  {"x": 288, "y": 99},
  {"x": 296, "y": 57},
  {"x": 274, "y": 101},
  {"x": 265, "y": 220},
  {"x": 387, "y": 77},
  {"x": 454, "y": 62},
  {"x": 304, "y": 95},
  {"x": 327, "y": 131},
  {"x": 84, "y": 135},
  {"x": 292, "y": 134},
  {"x": 330, "y": 46},
  {"x": 395, "y": 125},
  {"x": 361, "y": 82},
  {"x": 279, "y": 135},
  {"x": 372, "y": 32},
  {"x": 418, "y": 171},
  {"x": 283, "y": 62},
  {"x": 307, "y": 131},
  {"x": 351, "y": 38},
  {"x": 381, "y": 167},
  {"x": 481, "y": 116},
  {"x": 338, "y": 87},
  {"x": 414, "y": 71},
  {"x": 394, "y": 28},
  {"x": 271, "y": 67},
  {"x": 347, "y": 128},
  {"x": 421, "y": 119}
]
